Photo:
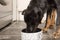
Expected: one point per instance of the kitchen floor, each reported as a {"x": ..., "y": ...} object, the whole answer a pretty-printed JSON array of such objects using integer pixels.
[{"x": 13, "y": 32}]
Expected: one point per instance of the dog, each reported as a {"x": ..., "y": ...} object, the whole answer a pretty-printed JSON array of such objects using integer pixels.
[{"x": 40, "y": 11}]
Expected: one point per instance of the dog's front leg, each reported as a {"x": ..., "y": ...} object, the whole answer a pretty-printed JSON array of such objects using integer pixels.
[
  {"x": 48, "y": 22},
  {"x": 54, "y": 17}
]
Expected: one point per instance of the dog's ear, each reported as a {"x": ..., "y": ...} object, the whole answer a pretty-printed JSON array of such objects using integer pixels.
[{"x": 23, "y": 12}]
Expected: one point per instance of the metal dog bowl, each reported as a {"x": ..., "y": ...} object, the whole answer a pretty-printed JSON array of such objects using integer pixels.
[{"x": 31, "y": 36}]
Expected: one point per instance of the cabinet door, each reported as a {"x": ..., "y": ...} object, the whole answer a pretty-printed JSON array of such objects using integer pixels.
[{"x": 5, "y": 12}]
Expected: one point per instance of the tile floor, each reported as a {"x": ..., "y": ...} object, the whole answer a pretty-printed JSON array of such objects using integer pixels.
[{"x": 13, "y": 32}]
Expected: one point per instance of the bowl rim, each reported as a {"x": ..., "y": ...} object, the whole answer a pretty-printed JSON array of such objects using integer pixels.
[{"x": 40, "y": 31}]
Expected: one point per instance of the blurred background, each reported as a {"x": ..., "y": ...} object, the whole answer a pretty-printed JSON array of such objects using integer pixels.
[{"x": 6, "y": 12}]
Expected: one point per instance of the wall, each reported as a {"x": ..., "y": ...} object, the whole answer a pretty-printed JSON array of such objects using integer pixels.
[{"x": 21, "y": 5}]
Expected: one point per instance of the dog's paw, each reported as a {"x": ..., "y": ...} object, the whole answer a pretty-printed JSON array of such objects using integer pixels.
[
  {"x": 56, "y": 35},
  {"x": 44, "y": 30}
]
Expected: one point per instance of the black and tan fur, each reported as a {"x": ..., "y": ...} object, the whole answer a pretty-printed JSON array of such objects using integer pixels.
[{"x": 36, "y": 10}]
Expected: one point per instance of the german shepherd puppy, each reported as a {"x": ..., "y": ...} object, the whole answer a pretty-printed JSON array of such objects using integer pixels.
[{"x": 34, "y": 14}]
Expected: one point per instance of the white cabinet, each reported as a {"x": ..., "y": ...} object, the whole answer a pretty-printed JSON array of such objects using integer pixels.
[{"x": 6, "y": 13}]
